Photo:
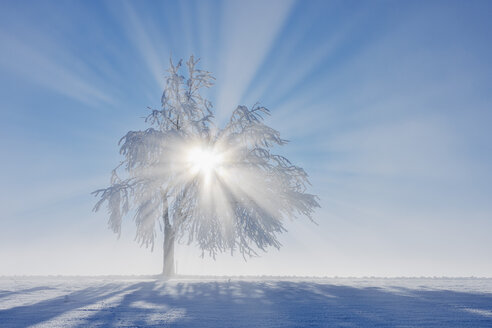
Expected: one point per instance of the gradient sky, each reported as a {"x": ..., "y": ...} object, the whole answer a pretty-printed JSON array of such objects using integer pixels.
[{"x": 387, "y": 104}]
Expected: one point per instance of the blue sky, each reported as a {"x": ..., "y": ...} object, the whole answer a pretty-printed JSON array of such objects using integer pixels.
[{"x": 387, "y": 105}]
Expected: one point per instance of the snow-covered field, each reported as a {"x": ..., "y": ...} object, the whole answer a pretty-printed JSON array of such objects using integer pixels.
[{"x": 244, "y": 302}]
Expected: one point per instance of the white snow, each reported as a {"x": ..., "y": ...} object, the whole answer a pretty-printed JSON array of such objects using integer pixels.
[{"x": 244, "y": 302}]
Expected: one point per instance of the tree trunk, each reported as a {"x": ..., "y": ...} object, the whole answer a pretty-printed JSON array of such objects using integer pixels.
[
  {"x": 168, "y": 265},
  {"x": 168, "y": 268}
]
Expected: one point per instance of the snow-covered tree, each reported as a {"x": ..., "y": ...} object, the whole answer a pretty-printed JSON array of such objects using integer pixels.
[{"x": 222, "y": 189}]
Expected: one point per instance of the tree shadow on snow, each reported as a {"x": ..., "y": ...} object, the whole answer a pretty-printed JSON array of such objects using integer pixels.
[
  {"x": 8, "y": 293},
  {"x": 177, "y": 303},
  {"x": 43, "y": 311}
]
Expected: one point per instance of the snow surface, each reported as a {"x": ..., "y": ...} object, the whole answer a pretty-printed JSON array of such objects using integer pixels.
[{"x": 244, "y": 302}]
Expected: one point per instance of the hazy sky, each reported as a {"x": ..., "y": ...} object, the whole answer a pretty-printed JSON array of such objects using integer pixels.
[{"x": 387, "y": 104}]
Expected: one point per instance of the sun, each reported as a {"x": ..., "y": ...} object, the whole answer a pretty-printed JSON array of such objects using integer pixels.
[{"x": 204, "y": 161}]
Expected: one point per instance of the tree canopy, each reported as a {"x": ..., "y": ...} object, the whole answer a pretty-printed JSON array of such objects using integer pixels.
[{"x": 219, "y": 188}]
